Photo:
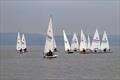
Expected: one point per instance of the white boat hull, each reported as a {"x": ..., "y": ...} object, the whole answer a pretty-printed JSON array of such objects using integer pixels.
[{"x": 54, "y": 56}]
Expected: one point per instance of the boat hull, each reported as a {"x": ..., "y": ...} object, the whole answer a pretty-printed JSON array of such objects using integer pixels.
[
  {"x": 54, "y": 56},
  {"x": 68, "y": 52}
]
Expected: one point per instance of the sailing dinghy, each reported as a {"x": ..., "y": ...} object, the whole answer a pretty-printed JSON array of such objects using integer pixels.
[
  {"x": 95, "y": 47},
  {"x": 24, "y": 46},
  {"x": 66, "y": 43},
  {"x": 49, "y": 44},
  {"x": 54, "y": 45},
  {"x": 18, "y": 45},
  {"x": 105, "y": 43},
  {"x": 83, "y": 44},
  {"x": 75, "y": 44},
  {"x": 88, "y": 44}
]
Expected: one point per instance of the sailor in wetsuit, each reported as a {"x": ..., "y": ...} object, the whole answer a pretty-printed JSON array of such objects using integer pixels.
[
  {"x": 105, "y": 50},
  {"x": 20, "y": 50},
  {"x": 50, "y": 53},
  {"x": 25, "y": 50}
]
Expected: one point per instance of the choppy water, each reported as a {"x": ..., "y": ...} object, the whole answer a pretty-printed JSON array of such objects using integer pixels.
[{"x": 32, "y": 66}]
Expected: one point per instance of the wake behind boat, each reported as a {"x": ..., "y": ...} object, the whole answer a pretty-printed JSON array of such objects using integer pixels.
[{"x": 49, "y": 44}]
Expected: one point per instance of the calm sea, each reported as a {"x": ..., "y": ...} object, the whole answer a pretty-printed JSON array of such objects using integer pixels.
[{"x": 32, "y": 66}]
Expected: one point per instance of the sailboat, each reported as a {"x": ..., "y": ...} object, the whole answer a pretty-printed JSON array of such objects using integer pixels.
[
  {"x": 49, "y": 44},
  {"x": 83, "y": 44},
  {"x": 18, "y": 45},
  {"x": 54, "y": 45},
  {"x": 95, "y": 47},
  {"x": 24, "y": 47},
  {"x": 105, "y": 43},
  {"x": 88, "y": 43},
  {"x": 66, "y": 43},
  {"x": 74, "y": 44}
]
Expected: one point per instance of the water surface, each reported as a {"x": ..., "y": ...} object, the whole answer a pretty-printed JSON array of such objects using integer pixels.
[{"x": 32, "y": 66}]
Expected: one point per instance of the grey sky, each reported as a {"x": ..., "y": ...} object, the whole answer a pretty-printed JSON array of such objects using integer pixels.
[{"x": 33, "y": 16}]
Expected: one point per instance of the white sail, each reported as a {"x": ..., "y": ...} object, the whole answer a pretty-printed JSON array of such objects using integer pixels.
[
  {"x": 23, "y": 42},
  {"x": 54, "y": 44},
  {"x": 96, "y": 41},
  {"x": 18, "y": 45},
  {"x": 49, "y": 38},
  {"x": 88, "y": 43},
  {"x": 66, "y": 42},
  {"x": 74, "y": 44},
  {"x": 105, "y": 42},
  {"x": 83, "y": 44}
]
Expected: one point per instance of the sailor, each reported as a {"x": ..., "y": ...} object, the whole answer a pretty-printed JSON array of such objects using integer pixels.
[
  {"x": 75, "y": 49},
  {"x": 20, "y": 50},
  {"x": 68, "y": 50},
  {"x": 49, "y": 53},
  {"x": 105, "y": 50},
  {"x": 84, "y": 50},
  {"x": 25, "y": 50},
  {"x": 55, "y": 49}
]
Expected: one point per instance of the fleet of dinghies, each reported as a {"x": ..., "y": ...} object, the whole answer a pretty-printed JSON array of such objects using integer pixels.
[
  {"x": 21, "y": 43},
  {"x": 86, "y": 45}
]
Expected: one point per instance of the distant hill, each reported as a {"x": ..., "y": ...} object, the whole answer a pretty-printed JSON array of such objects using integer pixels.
[{"x": 39, "y": 39}]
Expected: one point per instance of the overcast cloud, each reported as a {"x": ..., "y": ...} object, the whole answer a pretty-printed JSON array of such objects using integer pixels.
[{"x": 33, "y": 16}]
